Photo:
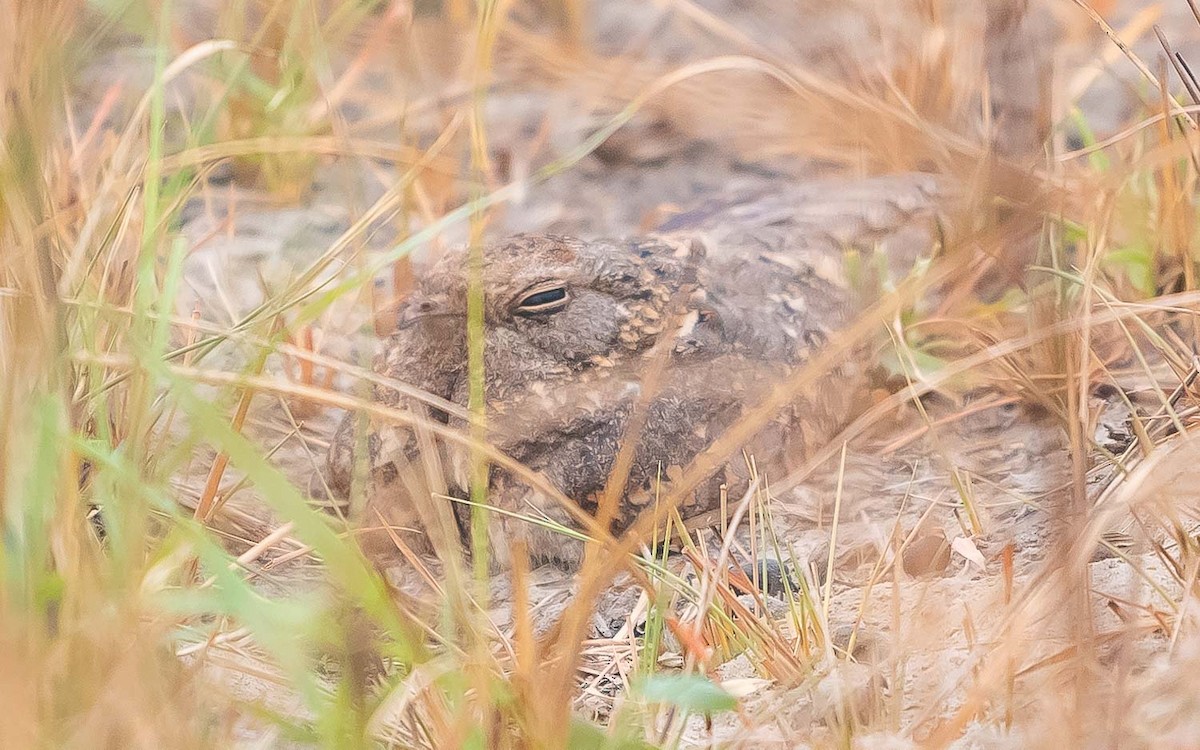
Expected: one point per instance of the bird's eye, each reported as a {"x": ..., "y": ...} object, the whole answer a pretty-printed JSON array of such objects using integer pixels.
[{"x": 543, "y": 301}]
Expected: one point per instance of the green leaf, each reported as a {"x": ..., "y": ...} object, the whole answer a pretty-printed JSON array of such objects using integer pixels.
[
  {"x": 1137, "y": 263},
  {"x": 1073, "y": 233},
  {"x": 691, "y": 692},
  {"x": 584, "y": 735},
  {"x": 1097, "y": 159}
]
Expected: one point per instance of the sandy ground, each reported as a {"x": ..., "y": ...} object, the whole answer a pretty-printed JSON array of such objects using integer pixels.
[{"x": 1013, "y": 456}]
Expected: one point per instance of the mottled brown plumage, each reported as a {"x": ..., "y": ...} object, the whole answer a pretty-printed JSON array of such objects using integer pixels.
[{"x": 747, "y": 287}]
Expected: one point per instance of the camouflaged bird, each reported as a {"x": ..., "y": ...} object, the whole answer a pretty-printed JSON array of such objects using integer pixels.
[
  {"x": 734, "y": 295},
  {"x": 663, "y": 342}
]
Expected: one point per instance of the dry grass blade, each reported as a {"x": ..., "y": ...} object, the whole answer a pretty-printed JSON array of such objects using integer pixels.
[
  {"x": 1181, "y": 67},
  {"x": 201, "y": 196},
  {"x": 1131, "y": 55}
]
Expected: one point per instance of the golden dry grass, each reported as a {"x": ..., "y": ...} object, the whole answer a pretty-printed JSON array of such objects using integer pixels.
[{"x": 166, "y": 581}]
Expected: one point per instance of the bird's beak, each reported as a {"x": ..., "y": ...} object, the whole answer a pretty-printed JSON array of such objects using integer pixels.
[{"x": 418, "y": 309}]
